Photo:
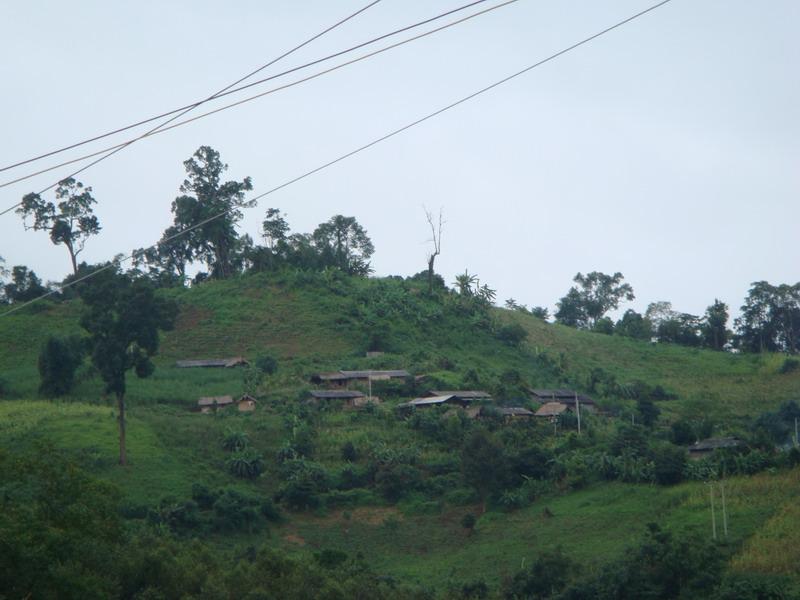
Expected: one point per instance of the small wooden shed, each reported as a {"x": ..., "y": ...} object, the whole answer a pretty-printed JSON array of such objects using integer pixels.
[
  {"x": 213, "y": 403},
  {"x": 247, "y": 403}
]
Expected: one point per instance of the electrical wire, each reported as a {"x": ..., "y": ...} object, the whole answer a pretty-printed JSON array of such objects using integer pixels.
[
  {"x": 358, "y": 150},
  {"x": 186, "y": 109},
  {"x": 227, "y": 91},
  {"x": 164, "y": 129}
]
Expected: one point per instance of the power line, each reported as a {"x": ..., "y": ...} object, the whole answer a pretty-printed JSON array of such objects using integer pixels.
[
  {"x": 353, "y": 152},
  {"x": 227, "y": 91},
  {"x": 165, "y": 128},
  {"x": 182, "y": 111}
]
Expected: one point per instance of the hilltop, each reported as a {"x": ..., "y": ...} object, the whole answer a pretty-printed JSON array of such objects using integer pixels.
[{"x": 400, "y": 498}]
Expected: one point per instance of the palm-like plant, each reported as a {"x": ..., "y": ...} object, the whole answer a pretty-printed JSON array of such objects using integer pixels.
[{"x": 235, "y": 441}]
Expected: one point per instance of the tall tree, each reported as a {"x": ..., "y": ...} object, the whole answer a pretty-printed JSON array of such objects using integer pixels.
[
  {"x": 123, "y": 317},
  {"x": 589, "y": 301},
  {"x": 71, "y": 222},
  {"x": 770, "y": 318},
  {"x": 274, "y": 228},
  {"x": 213, "y": 208},
  {"x": 24, "y": 285},
  {"x": 714, "y": 328},
  {"x": 634, "y": 325},
  {"x": 436, "y": 240},
  {"x": 343, "y": 243}
]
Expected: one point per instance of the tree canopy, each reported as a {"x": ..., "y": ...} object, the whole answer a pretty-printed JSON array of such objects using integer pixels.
[
  {"x": 123, "y": 317},
  {"x": 589, "y": 301},
  {"x": 212, "y": 209},
  {"x": 71, "y": 222}
]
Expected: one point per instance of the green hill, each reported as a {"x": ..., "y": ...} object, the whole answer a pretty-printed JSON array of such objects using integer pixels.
[{"x": 317, "y": 322}]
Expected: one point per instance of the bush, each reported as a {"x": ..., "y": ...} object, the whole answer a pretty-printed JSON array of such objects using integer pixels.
[
  {"x": 396, "y": 480},
  {"x": 204, "y": 497},
  {"x": 266, "y": 364},
  {"x": 669, "y": 464},
  {"x": 468, "y": 522},
  {"x": 349, "y": 452},
  {"x": 247, "y": 464},
  {"x": 789, "y": 365},
  {"x": 235, "y": 441},
  {"x": 513, "y": 334},
  {"x": 305, "y": 481},
  {"x": 235, "y": 511},
  {"x": 58, "y": 361},
  {"x": 682, "y": 433}
]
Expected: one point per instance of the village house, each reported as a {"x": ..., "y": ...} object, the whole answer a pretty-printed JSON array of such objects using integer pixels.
[
  {"x": 245, "y": 403},
  {"x": 346, "y": 378},
  {"x": 236, "y": 361},
  {"x": 565, "y": 397},
  {"x": 462, "y": 398},
  {"x": 351, "y": 398},
  {"x": 511, "y": 413},
  {"x": 551, "y": 410},
  {"x": 706, "y": 447}
]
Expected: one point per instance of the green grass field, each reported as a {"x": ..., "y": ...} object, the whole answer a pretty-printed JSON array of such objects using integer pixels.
[{"x": 315, "y": 325}]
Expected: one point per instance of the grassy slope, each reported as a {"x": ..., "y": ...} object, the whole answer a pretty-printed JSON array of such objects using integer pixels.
[
  {"x": 311, "y": 327},
  {"x": 707, "y": 383}
]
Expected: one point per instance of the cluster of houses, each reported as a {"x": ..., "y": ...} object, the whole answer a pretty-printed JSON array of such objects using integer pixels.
[{"x": 348, "y": 389}]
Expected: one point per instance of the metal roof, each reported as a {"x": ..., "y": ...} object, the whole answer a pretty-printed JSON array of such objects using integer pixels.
[
  {"x": 215, "y": 400},
  {"x": 212, "y": 362},
  {"x": 328, "y": 394},
  {"x": 551, "y": 409},
  {"x": 515, "y": 411},
  {"x": 561, "y": 396},
  {"x": 462, "y": 394},
  {"x": 429, "y": 400},
  {"x": 373, "y": 373},
  {"x": 714, "y": 443}
]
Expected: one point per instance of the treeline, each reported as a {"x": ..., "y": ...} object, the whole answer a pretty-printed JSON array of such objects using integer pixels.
[{"x": 769, "y": 321}]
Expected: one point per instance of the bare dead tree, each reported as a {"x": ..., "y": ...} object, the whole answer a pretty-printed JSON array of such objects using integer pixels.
[{"x": 436, "y": 239}]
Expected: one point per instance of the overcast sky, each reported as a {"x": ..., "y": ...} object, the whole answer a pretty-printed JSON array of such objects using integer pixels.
[{"x": 667, "y": 150}]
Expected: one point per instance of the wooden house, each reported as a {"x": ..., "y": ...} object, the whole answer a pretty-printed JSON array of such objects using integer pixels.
[
  {"x": 343, "y": 379},
  {"x": 246, "y": 403},
  {"x": 551, "y": 410},
  {"x": 213, "y": 403},
  {"x": 462, "y": 398},
  {"x": 566, "y": 397},
  {"x": 351, "y": 398},
  {"x": 706, "y": 447},
  {"x": 510, "y": 413}
]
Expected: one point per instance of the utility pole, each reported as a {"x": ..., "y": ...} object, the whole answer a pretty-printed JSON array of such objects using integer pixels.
[
  {"x": 713, "y": 516},
  {"x": 578, "y": 411},
  {"x": 795, "y": 432},
  {"x": 724, "y": 510}
]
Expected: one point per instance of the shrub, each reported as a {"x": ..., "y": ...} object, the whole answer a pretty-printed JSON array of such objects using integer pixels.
[
  {"x": 789, "y": 366},
  {"x": 305, "y": 481},
  {"x": 235, "y": 441},
  {"x": 396, "y": 480},
  {"x": 468, "y": 522},
  {"x": 266, "y": 364},
  {"x": 349, "y": 452},
  {"x": 513, "y": 334},
  {"x": 682, "y": 433},
  {"x": 270, "y": 511},
  {"x": 58, "y": 361},
  {"x": 236, "y": 511},
  {"x": 669, "y": 464},
  {"x": 204, "y": 497},
  {"x": 247, "y": 464}
]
